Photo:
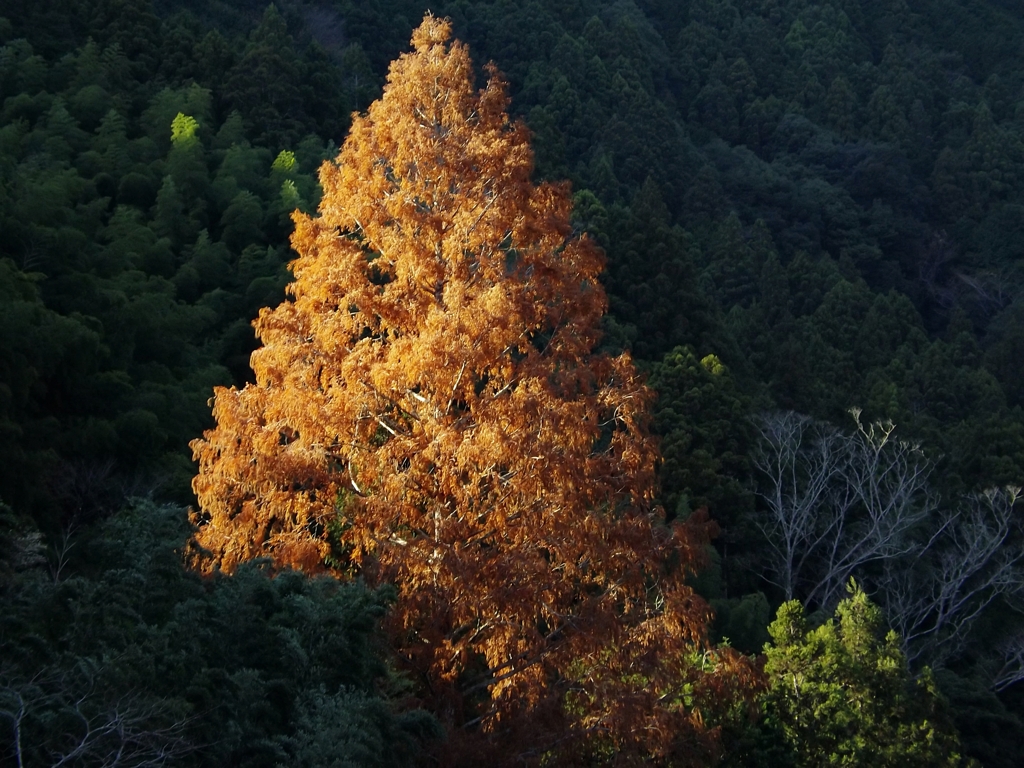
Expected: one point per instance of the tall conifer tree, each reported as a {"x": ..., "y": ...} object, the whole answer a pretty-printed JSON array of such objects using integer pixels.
[{"x": 428, "y": 410}]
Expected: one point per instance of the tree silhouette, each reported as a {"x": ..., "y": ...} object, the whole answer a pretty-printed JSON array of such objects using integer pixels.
[{"x": 428, "y": 411}]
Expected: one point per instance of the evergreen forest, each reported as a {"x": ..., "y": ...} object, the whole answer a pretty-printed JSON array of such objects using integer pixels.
[{"x": 811, "y": 220}]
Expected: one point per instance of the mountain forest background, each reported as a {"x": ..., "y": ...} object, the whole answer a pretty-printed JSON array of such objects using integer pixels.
[{"x": 806, "y": 208}]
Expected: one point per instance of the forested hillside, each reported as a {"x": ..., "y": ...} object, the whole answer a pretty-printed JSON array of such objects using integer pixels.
[{"x": 812, "y": 215}]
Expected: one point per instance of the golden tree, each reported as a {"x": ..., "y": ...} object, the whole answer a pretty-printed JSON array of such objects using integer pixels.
[{"x": 429, "y": 411}]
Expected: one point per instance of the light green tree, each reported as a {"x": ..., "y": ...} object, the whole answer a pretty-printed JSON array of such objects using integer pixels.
[{"x": 841, "y": 694}]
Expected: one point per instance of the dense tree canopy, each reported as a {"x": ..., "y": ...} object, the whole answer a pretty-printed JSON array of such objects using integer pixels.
[
  {"x": 126, "y": 651},
  {"x": 803, "y": 206}
]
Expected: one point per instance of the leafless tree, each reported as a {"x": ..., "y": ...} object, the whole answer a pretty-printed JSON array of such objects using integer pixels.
[
  {"x": 835, "y": 503},
  {"x": 1012, "y": 670},
  {"x": 83, "y": 487},
  {"x": 81, "y": 728},
  {"x": 14, "y": 710},
  {"x": 973, "y": 555},
  {"x": 34, "y": 251},
  {"x": 992, "y": 291},
  {"x": 60, "y": 552},
  {"x": 934, "y": 262},
  {"x": 121, "y": 736},
  {"x": 798, "y": 459}
]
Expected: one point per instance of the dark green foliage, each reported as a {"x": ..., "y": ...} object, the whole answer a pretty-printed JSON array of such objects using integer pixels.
[
  {"x": 988, "y": 726},
  {"x": 126, "y": 211},
  {"x": 652, "y": 274},
  {"x": 48, "y": 366},
  {"x": 264, "y": 85},
  {"x": 248, "y": 670},
  {"x": 805, "y": 206},
  {"x": 703, "y": 421}
]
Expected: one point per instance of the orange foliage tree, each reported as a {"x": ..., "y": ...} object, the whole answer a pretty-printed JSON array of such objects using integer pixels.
[{"x": 429, "y": 411}]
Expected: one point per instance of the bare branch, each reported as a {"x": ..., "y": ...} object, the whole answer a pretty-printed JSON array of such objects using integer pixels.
[
  {"x": 127, "y": 733},
  {"x": 1013, "y": 664},
  {"x": 970, "y": 560},
  {"x": 836, "y": 502}
]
